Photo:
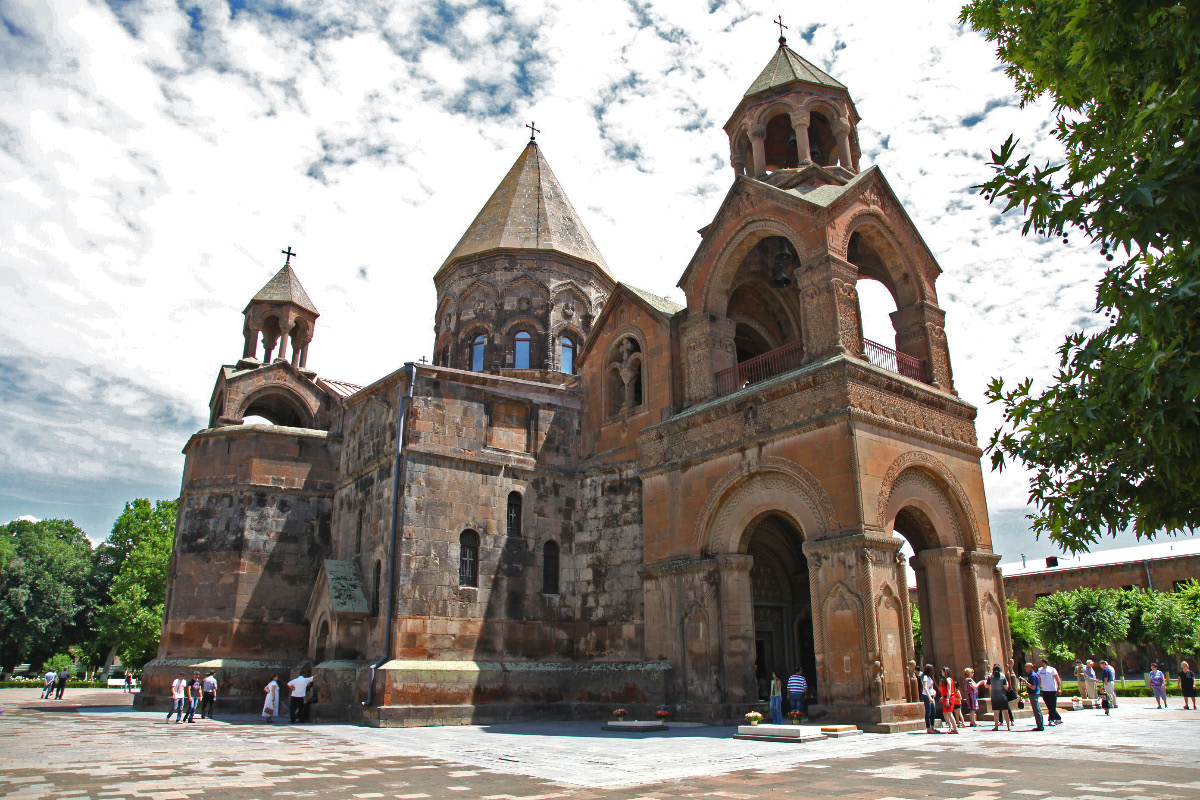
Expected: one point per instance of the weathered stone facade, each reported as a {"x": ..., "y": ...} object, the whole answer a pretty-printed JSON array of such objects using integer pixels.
[{"x": 594, "y": 496}]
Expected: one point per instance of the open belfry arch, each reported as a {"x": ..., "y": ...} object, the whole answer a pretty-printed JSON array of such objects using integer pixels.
[{"x": 593, "y": 496}]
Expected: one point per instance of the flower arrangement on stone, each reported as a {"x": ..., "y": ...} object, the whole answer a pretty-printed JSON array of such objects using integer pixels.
[
  {"x": 796, "y": 716},
  {"x": 662, "y": 715},
  {"x": 620, "y": 714},
  {"x": 754, "y": 718}
]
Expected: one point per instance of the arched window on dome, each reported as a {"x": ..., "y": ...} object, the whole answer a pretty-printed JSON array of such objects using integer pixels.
[
  {"x": 478, "y": 346},
  {"x": 550, "y": 568},
  {"x": 468, "y": 559},
  {"x": 568, "y": 355},
  {"x": 522, "y": 344}
]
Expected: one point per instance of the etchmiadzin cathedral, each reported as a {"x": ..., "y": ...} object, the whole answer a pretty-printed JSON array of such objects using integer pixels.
[{"x": 593, "y": 497}]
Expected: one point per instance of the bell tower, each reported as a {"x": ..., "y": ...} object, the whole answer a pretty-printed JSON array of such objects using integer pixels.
[
  {"x": 280, "y": 314},
  {"x": 793, "y": 115}
]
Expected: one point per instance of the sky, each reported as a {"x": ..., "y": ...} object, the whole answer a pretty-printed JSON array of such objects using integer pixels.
[{"x": 156, "y": 157}]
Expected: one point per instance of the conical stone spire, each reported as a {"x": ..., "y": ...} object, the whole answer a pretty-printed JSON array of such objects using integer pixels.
[
  {"x": 528, "y": 211},
  {"x": 787, "y": 66},
  {"x": 284, "y": 288}
]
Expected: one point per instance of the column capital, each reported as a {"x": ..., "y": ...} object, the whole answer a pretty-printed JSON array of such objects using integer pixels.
[
  {"x": 939, "y": 555},
  {"x": 758, "y": 131}
]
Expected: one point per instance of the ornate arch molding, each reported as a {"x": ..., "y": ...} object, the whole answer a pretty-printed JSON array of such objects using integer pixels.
[
  {"x": 307, "y": 410},
  {"x": 874, "y": 218},
  {"x": 529, "y": 280},
  {"x": 523, "y": 321},
  {"x": 774, "y": 109},
  {"x": 921, "y": 468},
  {"x": 797, "y": 493},
  {"x": 726, "y": 263}
]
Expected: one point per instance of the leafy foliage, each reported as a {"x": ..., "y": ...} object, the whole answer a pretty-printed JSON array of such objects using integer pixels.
[
  {"x": 58, "y": 662},
  {"x": 1021, "y": 627},
  {"x": 44, "y": 571},
  {"x": 1114, "y": 440},
  {"x": 1081, "y": 620},
  {"x": 136, "y": 555},
  {"x": 1171, "y": 624},
  {"x": 918, "y": 648}
]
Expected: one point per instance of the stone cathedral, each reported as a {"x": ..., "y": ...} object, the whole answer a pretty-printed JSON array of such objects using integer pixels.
[{"x": 593, "y": 497}]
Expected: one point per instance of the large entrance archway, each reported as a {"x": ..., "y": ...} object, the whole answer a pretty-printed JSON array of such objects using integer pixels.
[{"x": 783, "y": 626}]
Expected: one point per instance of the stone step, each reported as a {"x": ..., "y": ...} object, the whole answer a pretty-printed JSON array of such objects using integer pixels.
[
  {"x": 779, "y": 733},
  {"x": 633, "y": 725}
]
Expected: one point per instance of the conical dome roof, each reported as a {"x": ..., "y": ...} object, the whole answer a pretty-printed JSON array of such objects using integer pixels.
[
  {"x": 528, "y": 211},
  {"x": 787, "y": 66},
  {"x": 285, "y": 288}
]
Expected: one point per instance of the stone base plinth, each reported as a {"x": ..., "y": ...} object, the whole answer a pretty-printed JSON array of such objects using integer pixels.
[
  {"x": 888, "y": 718},
  {"x": 240, "y": 682},
  {"x": 840, "y": 731},
  {"x": 633, "y": 725},
  {"x": 779, "y": 733}
]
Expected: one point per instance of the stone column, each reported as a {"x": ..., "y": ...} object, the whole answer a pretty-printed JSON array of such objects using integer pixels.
[
  {"x": 284, "y": 335},
  {"x": 945, "y": 615},
  {"x": 800, "y": 122},
  {"x": 708, "y": 348},
  {"x": 250, "y": 350},
  {"x": 737, "y": 160},
  {"x": 841, "y": 132},
  {"x": 831, "y": 319},
  {"x": 737, "y": 628},
  {"x": 758, "y": 138},
  {"x": 910, "y": 653},
  {"x": 304, "y": 356},
  {"x": 921, "y": 333},
  {"x": 268, "y": 348}
]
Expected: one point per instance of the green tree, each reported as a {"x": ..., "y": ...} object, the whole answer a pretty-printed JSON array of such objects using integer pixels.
[
  {"x": 1021, "y": 627},
  {"x": 137, "y": 555},
  {"x": 1088, "y": 620},
  {"x": 918, "y": 647},
  {"x": 1171, "y": 625},
  {"x": 57, "y": 662},
  {"x": 45, "y": 567},
  {"x": 1114, "y": 440}
]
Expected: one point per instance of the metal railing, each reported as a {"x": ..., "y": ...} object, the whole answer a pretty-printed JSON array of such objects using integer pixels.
[
  {"x": 760, "y": 368},
  {"x": 889, "y": 359}
]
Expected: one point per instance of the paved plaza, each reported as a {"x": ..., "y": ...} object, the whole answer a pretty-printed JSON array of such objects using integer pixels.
[{"x": 93, "y": 745}]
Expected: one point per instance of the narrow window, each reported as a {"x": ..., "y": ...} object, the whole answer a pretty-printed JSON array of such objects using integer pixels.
[
  {"x": 521, "y": 350},
  {"x": 550, "y": 568},
  {"x": 568, "y": 355},
  {"x": 514, "y": 513},
  {"x": 477, "y": 347},
  {"x": 468, "y": 559},
  {"x": 358, "y": 534},
  {"x": 375, "y": 604}
]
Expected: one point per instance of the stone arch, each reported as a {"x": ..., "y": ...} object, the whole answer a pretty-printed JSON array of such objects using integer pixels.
[
  {"x": 279, "y": 403},
  {"x": 525, "y": 278},
  {"x": 479, "y": 292},
  {"x": 920, "y": 479},
  {"x": 729, "y": 259},
  {"x": 900, "y": 275},
  {"x": 774, "y": 109},
  {"x": 526, "y": 321},
  {"x": 767, "y": 485},
  {"x": 614, "y": 364},
  {"x": 322, "y": 641}
]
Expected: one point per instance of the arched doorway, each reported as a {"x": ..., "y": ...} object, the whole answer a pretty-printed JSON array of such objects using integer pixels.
[{"x": 783, "y": 627}]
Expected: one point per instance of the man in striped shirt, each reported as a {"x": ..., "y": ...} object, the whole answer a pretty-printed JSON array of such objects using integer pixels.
[{"x": 797, "y": 687}]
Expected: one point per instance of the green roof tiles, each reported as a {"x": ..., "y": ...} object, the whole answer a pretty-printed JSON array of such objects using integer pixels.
[
  {"x": 787, "y": 66},
  {"x": 659, "y": 304}
]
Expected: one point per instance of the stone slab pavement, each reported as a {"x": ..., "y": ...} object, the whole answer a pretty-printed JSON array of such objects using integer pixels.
[{"x": 93, "y": 745}]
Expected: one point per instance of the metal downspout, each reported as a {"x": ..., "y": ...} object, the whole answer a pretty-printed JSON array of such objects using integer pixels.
[{"x": 389, "y": 635}]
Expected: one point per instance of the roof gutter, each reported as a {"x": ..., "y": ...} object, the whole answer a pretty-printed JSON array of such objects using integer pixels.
[{"x": 398, "y": 464}]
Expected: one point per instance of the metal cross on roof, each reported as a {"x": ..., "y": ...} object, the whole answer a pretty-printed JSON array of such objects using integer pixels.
[
  {"x": 779, "y": 21},
  {"x": 289, "y": 255},
  {"x": 533, "y": 132}
]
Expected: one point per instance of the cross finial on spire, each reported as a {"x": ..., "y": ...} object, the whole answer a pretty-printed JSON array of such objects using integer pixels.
[
  {"x": 779, "y": 21},
  {"x": 533, "y": 132},
  {"x": 289, "y": 255}
]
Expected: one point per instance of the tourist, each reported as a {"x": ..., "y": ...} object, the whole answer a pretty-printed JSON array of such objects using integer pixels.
[
  {"x": 128, "y": 682},
  {"x": 48, "y": 684},
  {"x": 929, "y": 698},
  {"x": 971, "y": 695},
  {"x": 299, "y": 691},
  {"x": 1187, "y": 684},
  {"x": 1079, "y": 675},
  {"x": 1034, "y": 684},
  {"x": 208, "y": 696},
  {"x": 797, "y": 688},
  {"x": 776, "y": 699},
  {"x": 999, "y": 688},
  {"x": 1051, "y": 683},
  {"x": 947, "y": 692},
  {"x": 178, "y": 692},
  {"x": 1109, "y": 676},
  {"x": 1089, "y": 680},
  {"x": 271, "y": 703},
  {"x": 1158, "y": 685},
  {"x": 60, "y": 683},
  {"x": 193, "y": 697}
]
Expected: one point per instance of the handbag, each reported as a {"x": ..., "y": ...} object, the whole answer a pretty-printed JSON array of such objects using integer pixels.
[{"x": 1010, "y": 695}]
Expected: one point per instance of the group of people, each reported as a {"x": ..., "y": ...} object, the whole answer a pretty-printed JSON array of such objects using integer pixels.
[
  {"x": 54, "y": 683},
  {"x": 187, "y": 696},
  {"x": 1187, "y": 685},
  {"x": 1093, "y": 677},
  {"x": 946, "y": 699},
  {"x": 796, "y": 688},
  {"x": 298, "y": 689}
]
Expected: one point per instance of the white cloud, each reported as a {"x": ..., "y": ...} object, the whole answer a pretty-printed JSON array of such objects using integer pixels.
[{"x": 148, "y": 181}]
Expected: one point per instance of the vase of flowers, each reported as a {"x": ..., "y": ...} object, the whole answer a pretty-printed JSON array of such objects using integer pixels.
[
  {"x": 620, "y": 714},
  {"x": 754, "y": 718},
  {"x": 796, "y": 716},
  {"x": 662, "y": 715}
]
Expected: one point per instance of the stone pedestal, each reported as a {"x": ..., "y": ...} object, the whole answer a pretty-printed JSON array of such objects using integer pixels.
[
  {"x": 779, "y": 733},
  {"x": 635, "y": 726}
]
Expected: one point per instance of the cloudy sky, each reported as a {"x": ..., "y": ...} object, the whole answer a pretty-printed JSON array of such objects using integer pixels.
[{"x": 156, "y": 156}]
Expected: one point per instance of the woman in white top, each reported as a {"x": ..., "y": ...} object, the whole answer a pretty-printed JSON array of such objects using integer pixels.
[{"x": 271, "y": 704}]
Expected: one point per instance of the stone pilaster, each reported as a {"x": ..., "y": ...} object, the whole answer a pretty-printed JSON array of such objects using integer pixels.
[
  {"x": 800, "y": 122},
  {"x": 945, "y": 624},
  {"x": 831, "y": 318},
  {"x": 921, "y": 333},
  {"x": 708, "y": 348}
]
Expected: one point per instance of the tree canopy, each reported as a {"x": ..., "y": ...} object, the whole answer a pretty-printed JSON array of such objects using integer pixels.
[
  {"x": 1113, "y": 441},
  {"x": 1084, "y": 619},
  {"x": 45, "y": 568}
]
